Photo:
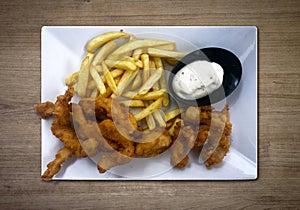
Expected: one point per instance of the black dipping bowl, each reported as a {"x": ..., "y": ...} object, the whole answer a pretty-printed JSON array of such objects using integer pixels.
[{"x": 232, "y": 74}]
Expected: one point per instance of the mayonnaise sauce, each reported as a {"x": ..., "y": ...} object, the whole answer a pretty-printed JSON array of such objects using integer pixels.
[{"x": 198, "y": 79}]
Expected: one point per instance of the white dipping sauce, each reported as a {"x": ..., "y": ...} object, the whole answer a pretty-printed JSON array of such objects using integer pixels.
[{"x": 198, "y": 79}]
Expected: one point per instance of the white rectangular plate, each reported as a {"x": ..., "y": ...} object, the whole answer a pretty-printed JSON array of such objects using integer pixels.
[{"x": 63, "y": 48}]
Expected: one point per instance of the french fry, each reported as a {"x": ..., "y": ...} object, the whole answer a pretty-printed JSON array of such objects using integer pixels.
[
  {"x": 94, "y": 93},
  {"x": 99, "y": 69},
  {"x": 153, "y": 95},
  {"x": 109, "y": 79},
  {"x": 146, "y": 66},
  {"x": 138, "y": 43},
  {"x": 166, "y": 100},
  {"x": 169, "y": 124},
  {"x": 107, "y": 94},
  {"x": 88, "y": 92},
  {"x": 103, "y": 52},
  {"x": 75, "y": 87},
  {"x": 126, "y": 79},
  {"x": 172, "y": 61},
  {"x": 133, "y": 103},
  {"x": 165, "y": 53},
  {"x": 137, "y": 53},
  {"x": 150, "y": 82},
  {"x": 157, "y": 116},
  {"x": 152, "y": 69},
  {"x": 137, "y": 62},
  {"x": 172, "y": 114},
  {"x": 150, "y": 122},
  {"x": 103, "y": 38},
  {"x": 117, "y": 80},
  {"x": 91, "y": 85},
  {"x": 158, "y": 63},
  {"x": 171, "y": 130},
  {"x": 152, "y": 64},
  {"x": 122, "y": 64},
  {"x": 83, "y": 76},
  {"x": 163, "y": 85},
  {"x": 100, "y": 85},
  {"x": 73, "y": 78},
  {"x": 116, "y": 72},
  {"x": 171, "y": 46},
  {"x": 148, "y": 110},
  {"x": 137, "y": 81}
]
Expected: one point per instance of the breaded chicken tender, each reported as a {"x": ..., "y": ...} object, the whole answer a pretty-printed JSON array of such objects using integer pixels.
[
  {"x": 184, "y": 140},
  {"x": 62, "y": 126},
  {"x": 45, "y": 110},
  {"x": 153, "y": 143},
  {"x": 53, "y": 167},
  {"x": 107, "y": 161},
  {"x": 213, "y": 131},
  {"x": 115, "y": 139}
]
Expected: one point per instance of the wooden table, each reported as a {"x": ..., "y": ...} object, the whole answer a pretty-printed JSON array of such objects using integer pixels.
[{"x": 279, "y": 111}]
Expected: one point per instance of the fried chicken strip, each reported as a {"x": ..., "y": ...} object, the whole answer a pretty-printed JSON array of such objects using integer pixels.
[
  {"x": 214, "y": 129},
  {"x": 62, "y": 125},
  {"x": 107, "y": 161},
  {"x": 198, "y": 115},
  {"x": 90, "y": 146},
  {"x": 123, "y": 146},
  {"x": 179, "y": 158},
  {"x": 69, "y": 138},
  {"x": 184, "y": 141},
  {"x": 53, "y": 167},
  {"x": 45, "y": 110},
  {"x": 203, "y": 132},
  {"x": 88, "y": 129},
  {"x": 158, "y": 143},
  {"x": 219, "y": 153},
  {"x": 115, "y": 139},
  {"x": 107, "y": 108},
  {"x": 98, "y": 107},
  {"x": 217, "y": 146}
]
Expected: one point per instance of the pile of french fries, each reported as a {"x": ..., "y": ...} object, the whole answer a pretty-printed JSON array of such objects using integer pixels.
[{"x": 133, "y": 71}]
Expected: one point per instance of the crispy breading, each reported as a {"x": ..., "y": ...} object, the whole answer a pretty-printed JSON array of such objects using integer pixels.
[
  {"x": 68, "y": 136},
  {"x": 155, "y": 142},
  {"x": 179, "y": 158},
  {"x": 62, "y": 126},
  {"x": 214, "y": 129},
  {"x": 53, "y": 167},
  {"x": 107, "y": 108},
  {"x": 203, "y": 132},
  {"x": 90, "y": 146},
  {"x": 44, "y": 110},
  {"x": 192, "y": 115},
  {"x": 98, "y": 107},
  {"x": 88, "y": 129},
  {"x": 123, "y": 118},
  {"x": 114, "y": 138},
  {"x": 62, "y": 110},
  {"x": 184, "y": 140},
  {"x": 219, "y": 153},
  {"x": 85, "y": 128},
  {"x": 104, "y": 124},
  {"x": 107, "y": 161},
  {"x": 218, "y": 143},
  {"x": 198, "y": 115}
]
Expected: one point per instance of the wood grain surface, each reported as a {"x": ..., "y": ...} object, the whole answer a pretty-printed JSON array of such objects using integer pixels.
[{"x": 278, "y": 184}]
